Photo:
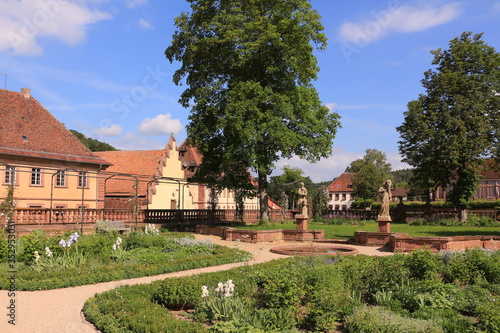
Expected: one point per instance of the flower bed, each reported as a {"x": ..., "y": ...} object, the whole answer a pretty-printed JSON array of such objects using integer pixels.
[
  {"x": 419, "y": 292},
  {"x": 71, "y": 260}
]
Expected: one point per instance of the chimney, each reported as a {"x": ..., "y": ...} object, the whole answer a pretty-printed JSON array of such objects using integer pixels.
[{"x": 26, "y": 92}]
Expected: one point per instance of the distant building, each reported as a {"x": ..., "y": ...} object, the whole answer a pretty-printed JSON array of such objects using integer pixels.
[
  {"x": 154, "y": 177},
  {"x": 48, "y": 166},
  {"x": 161, "y": 179},
  {"x": 488, "y": 188},
  {"x": 340, "y": 192}
]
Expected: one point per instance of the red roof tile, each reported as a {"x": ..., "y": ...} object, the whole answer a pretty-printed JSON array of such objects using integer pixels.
[
  {"x": 144, "y": 164},
  {"x": 342, "y": 184},
  {"x": 28, "y": 129}
]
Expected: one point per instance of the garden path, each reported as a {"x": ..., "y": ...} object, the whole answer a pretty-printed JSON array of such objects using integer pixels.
[{"x": 60, "y": 310}]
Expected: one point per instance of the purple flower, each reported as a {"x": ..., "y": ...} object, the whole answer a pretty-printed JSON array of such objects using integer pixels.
[
  {"x": 73, "y": 238},
  {"x": 62, "y": 243}
]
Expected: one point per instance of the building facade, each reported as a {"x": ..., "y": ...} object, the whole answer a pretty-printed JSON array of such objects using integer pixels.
[{"x": 45, "y": 163}]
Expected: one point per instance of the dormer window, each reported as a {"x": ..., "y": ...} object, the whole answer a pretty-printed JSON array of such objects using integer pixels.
[
  {"x": 182, "y": 151},
  {"x": 25, "y": 138}
]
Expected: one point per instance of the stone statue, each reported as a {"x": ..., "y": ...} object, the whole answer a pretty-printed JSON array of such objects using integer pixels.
[
  {"x": 385, "y": 198},
  {"x": 302, "y": 201}
]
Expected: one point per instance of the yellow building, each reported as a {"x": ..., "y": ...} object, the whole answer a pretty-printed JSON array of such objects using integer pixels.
[
  {"x": 48, "y": 166},
  {"x": 160, "y": 179}
]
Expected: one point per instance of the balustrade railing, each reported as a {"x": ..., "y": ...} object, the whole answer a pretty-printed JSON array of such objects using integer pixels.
[{"x": 47, "y": 216}]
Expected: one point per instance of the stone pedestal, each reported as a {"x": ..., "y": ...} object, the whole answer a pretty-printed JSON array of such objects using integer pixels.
[
  {"x": 301, "y": 222},
  {"x": 384, "y": 224}
]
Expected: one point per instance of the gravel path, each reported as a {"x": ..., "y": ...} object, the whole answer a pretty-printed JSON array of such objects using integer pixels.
[{"x": 59, "y": 310}]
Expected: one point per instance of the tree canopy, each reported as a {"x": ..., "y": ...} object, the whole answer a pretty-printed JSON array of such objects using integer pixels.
[
  {"x": 284, "y": 187},
  {"x": 451, "y": 129},
  {"x": 248, "y": 67},
  {"x": 92, "y": 144},
  {"x": 370, "y": 171}
]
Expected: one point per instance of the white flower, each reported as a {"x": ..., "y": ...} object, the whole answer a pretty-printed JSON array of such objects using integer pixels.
[
  {"x": 220, "y": 287},
  {"x": 114, "y": 247},
  {"x": 48, "y": 253},
  {"x": 228, "y": 288},
  {"x": 204, "y": 291},
  {"x": 37, "y": 256}
]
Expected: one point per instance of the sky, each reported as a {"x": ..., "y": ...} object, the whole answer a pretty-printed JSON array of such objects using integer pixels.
[{"x": 99, "y": 67}]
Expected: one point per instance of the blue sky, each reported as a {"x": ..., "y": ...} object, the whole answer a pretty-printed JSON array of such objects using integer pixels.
[{"x": 99, "y": 66}]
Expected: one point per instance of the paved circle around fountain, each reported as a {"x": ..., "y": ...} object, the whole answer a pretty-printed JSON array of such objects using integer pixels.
[{"x": 314, "y": 250}]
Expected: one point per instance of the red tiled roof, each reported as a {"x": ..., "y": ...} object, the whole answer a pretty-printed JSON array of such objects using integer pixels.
[
  {"x": 141, "y": 163},
  {"x": 191, "y": 159},
  {"x": 28, "y": 129},
  {"x": 342, "y": 184}
]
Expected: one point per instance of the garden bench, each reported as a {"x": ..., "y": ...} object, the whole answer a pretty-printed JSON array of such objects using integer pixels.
[{"x": 112, "y": 226}]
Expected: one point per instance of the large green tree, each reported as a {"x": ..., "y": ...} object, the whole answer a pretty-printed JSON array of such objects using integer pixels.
[
  {"x": 451, "y": 129},
  {"x": 248, "y": 67},
  {"x": 370, "y": 171}
]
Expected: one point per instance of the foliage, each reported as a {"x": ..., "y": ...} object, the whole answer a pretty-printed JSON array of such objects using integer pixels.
[
  {"x": 320, "y": 201},
  {"x": 422, "y": 265},
  {"x": 94, "y": 260},
  {"x": 92, "y": 144},
  {"x": 179, "y": 294},
  {"x": 489, "y": 316},
  {"x": 4, "y": 246},
  {"x": 471, "y": 266},
  {"x": 370, "y": 171},
  {"x": 8, "y": 204},
  {"x": 378, "y": 320},
  {"x": 448, "y": 131},
  {"x": 286, "y": 185},
  {"x": 248, "y": 67},
  {"x": 330, "y": 290},
  {"x": 130, "y": 309}
]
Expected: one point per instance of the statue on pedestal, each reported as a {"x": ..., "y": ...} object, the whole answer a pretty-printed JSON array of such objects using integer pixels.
[
  {"x": 385, "y": 198},
  {"x": 302, "y": 201}
]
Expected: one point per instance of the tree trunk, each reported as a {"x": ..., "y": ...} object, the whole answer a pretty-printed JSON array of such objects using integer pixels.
[
  {"x": 462, "y": 214},
  {"x": 263, "y": 197}
]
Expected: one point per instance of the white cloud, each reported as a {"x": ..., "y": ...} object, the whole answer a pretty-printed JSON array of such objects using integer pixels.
[
  {"x": 145, "y": 24},
  {"x": 135, "y": 3},
  {"x": 111, "y": 130},
  {"x": 131, "y": 141},
  {"x": 162, "y": 124},
  {"x": 402, "y": 19},
  {"x": 24, "y": 23},
  {"x": 331, "y": 106},
  {"x": 329, "y": 168},
  {"x": 325, "y": 170}
]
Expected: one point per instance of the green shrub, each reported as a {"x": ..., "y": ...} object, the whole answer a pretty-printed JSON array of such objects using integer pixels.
[
  {"x": 472, "y": 266},
  {"x": 4, "y": 246},
  {"x": 384, "y": 273},
  {"x": 130, "y": 309},
  {"x": 489, "y": 316},
  {"x": 378, "y": 320},
  {"x": 179, "y": 293},
  {"x": 450, "y": 320},
  {"x": 35, "y": 241},
  {"x": 422, "y": 264},
  {"x": 280, "y": 287}
]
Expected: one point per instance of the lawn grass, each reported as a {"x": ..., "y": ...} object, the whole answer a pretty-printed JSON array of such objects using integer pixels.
[{"x": 347, "y": 231}]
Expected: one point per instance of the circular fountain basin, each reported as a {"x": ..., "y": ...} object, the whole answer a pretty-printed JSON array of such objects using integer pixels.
[{"x": 314, "y": 250}]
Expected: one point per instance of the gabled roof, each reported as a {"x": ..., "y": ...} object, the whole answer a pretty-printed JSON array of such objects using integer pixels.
[
  {"x": 342, "y": 184},
  {"x": 28, "y": 129},
  {"x": 143, "y": 164},
  {"x": 190, "y": 158}
]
